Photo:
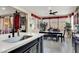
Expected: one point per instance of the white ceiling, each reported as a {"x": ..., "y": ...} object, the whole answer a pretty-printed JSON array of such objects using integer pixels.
[
  {"x": 7, "y": 10},
  {"x": 39, "y": 10},
  {"x": 44, "y": 10}
]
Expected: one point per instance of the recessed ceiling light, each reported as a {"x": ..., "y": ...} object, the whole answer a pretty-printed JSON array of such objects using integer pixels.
[
  {"x": 49, "y": 8},
  {"x": 3, "y": 8}
]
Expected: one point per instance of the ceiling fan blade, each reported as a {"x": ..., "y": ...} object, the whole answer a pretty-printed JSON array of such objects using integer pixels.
[
  {"x": 50, "y": 13},
  {"x": 55, "y": 12}
]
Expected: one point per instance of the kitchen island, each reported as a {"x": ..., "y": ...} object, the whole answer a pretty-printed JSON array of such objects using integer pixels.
[{"x": 23, "y": 46}]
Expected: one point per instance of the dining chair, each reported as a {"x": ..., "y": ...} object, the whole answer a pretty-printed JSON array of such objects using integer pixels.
[
  {"x": 51, "y": 35},
  {"x": 63, "y": 36},
  {"x": 76, "y": 44}
]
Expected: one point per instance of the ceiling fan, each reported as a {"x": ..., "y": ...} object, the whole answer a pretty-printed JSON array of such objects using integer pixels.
[{"x": 53, "y": 13}]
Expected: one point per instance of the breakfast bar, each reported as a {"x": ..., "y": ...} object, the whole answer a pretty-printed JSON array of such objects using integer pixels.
[{"x": 23, "y": 46}]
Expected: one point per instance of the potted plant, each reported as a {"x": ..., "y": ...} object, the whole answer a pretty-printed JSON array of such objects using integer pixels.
[
  {"x": 77, "y": 25},
  {"x": 43, "y": 26},
  {"x": 68, "y": 29}
]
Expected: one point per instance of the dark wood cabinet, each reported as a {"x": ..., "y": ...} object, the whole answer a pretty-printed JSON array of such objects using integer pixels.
[{"x": 36, "y": 44}]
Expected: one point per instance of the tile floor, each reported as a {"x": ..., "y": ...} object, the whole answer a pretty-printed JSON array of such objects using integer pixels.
[{"x": 51, "y": 46}]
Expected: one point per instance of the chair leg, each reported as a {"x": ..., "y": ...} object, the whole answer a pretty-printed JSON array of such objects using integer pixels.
[
  {"x": 75, "y": 47},
  {"x": 57, "y": 39},
  {"x": 63, "y": 38}
]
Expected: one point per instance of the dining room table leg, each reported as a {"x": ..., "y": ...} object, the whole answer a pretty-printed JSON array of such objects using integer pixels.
[
  {"x": 61, "y": 38},
  {"x": 75, "y": 47}
]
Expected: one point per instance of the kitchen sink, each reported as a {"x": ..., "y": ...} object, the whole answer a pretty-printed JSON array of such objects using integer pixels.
[
  {"x": 17, "y": 39},
  {"x": 25, "y": 37}
]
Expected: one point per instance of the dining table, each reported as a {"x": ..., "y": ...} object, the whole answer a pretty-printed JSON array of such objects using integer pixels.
[{"x": 58, "y": 34}]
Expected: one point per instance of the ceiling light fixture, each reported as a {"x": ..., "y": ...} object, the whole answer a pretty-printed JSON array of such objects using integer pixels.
[{"x": 3, "y": 8}]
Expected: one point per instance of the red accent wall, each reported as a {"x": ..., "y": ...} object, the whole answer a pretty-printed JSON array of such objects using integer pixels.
[
  {"x": 54, "y": 17},
  {"x": 51, "y": 17},
  {"x": 33, "y": 15}
]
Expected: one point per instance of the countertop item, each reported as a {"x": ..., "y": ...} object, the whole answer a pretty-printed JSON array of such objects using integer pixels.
[
  {"x": 6, "y": 47},
  {"x": 77, "y": 35}
]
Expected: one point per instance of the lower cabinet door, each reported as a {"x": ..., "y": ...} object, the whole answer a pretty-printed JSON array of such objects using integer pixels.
[{"x": 32, "y": 49}]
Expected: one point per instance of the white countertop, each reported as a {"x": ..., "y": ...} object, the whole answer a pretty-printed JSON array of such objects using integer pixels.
[
  {"x": 7, "y": 46},
  {"x": 56, "y": 32},
  {"x": 77, "y": 35}
]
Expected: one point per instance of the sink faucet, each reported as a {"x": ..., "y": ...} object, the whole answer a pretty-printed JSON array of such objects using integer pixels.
[
  {"x": 18, "y": 32},
  {"x": 16, "y": 24},
  {"x": 13, "y": 32}
]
